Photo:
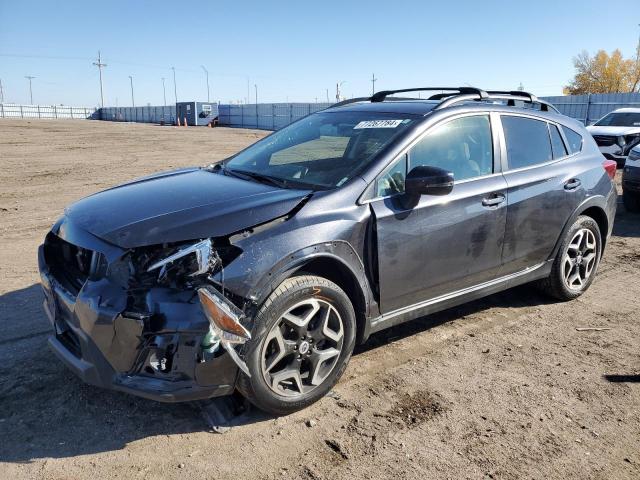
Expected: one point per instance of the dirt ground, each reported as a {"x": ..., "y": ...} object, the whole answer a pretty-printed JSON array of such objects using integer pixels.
[{"x": 504, "y": 387}]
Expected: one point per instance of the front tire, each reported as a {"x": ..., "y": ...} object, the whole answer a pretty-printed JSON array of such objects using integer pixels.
[
  {"x": 303, "y": 338},
  {"x": 631, "y": 201},
  {"x": 576, "y": 262}
]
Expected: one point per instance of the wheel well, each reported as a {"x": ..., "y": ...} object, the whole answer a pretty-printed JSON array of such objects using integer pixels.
[
  {"x": 339, "y": 273},
  {"x": 601, "y": 219}
]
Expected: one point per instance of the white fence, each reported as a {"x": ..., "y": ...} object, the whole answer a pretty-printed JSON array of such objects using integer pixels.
[{"x": 13, "y": 110}]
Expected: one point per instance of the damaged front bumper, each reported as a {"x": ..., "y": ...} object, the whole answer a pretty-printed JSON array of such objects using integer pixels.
[{"x": 164, "y": 351}]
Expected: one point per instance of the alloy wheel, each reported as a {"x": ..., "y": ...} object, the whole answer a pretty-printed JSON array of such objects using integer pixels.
[
  {"x": 580, "y": 259},
  {"x": 303, "y": 347}
]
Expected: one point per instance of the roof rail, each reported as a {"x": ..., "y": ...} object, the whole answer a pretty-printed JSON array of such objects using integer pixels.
[
  {"x": 510, "y": 96},
  {"x": 452, "y": 95},
  {"x": 380, "y": 96}
]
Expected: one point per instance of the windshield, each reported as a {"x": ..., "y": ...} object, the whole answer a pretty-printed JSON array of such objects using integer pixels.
[
  {"x": 620, "y": 119},
  {"x": 322, "y": 150}
]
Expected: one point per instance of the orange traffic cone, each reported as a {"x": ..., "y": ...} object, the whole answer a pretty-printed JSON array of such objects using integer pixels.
[
  {"x": 185, "y": 122},
  {"x": 177, "y": 121}
]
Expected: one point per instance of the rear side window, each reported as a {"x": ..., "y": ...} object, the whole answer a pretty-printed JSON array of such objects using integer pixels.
[
  {"x": 557, "y": 145},
  {"x": 527, "y": 140},
  {"x": 574, "y": 139}
]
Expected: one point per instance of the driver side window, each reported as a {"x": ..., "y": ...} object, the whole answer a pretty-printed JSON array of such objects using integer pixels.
[{"x": 462, "y": 146}]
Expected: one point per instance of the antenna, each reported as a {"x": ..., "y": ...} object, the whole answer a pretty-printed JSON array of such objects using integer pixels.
[{"x": 100, "y": 66}]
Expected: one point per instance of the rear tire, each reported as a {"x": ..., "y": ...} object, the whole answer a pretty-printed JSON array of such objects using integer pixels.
[
  {"x": 631, "y": 201},
  {"x": 576, "y": 262},
  {"x": 303, "y": 338}
]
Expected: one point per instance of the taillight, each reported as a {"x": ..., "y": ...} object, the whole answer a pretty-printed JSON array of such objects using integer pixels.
[{"x": 610, "y": 167}]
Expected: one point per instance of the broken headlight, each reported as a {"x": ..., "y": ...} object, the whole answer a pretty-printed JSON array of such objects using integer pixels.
[{"x": 191, "y": 260}]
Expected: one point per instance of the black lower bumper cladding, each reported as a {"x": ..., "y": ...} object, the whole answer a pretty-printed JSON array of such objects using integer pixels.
[{"x": 157, "y": 353}]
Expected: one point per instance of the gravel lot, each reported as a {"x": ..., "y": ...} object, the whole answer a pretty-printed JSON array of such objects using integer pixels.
[{"x": 505, "y": 387}]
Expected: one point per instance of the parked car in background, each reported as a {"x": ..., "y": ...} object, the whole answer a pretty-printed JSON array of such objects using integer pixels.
[
  {"x": 262, "y": 273},
  {"x": 617, "y": 133},
  {"x": 631, "y": 181}
]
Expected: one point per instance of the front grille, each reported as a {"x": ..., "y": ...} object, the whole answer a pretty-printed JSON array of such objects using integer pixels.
[
  {"x": 69, "y": 264},
  {"x": 604, "y": 140}
]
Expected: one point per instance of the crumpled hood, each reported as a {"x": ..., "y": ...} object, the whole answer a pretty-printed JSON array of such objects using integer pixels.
[
  {"x": 180, "y": 205},
  {"x": 612, "y": 131}
]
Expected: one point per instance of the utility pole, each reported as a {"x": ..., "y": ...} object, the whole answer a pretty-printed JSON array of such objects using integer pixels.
[
  {"x": 248, "y": 95},
  {"x": 164, "y": 93},
  {"x": 637, "y": 80},
  {"x": 100, "y": 66},
  {"x": 207, "y": 74},
  {"x": 30, "y": 77},
  {"x": 133, "y": 103},
  {"x": 328, "y": 96},
  {"x": 255, "y": 85},
  {"x": 175, "y": 89},
  {"x": 373, "y": 83},
  {"x": 338, "y": 85},
  {"x": 1, "y": 92}
]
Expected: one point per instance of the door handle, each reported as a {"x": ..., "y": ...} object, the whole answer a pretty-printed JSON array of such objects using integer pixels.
[
  {"x": 493, "y": 200},
  {"x": 572, "y": 184}
]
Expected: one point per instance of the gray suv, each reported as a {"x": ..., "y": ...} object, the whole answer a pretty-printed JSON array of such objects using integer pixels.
[{"x": 261, "y": 273}]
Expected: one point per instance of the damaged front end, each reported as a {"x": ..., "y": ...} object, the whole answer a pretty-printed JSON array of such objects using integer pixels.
[{"x": 154, "y": 321}]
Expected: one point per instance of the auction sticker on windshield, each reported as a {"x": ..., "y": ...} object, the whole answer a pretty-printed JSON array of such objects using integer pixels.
[{"x": 378, "y": 124}]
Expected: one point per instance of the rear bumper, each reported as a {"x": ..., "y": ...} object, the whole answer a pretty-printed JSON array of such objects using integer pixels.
[{"x": 105, "y": 346}]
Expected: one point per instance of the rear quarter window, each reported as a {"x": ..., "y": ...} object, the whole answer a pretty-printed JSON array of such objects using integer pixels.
[
  {"x": 574, "y": 139},
  {"x": 559, "y": 149},
  {"x": 528, "y": 141}
]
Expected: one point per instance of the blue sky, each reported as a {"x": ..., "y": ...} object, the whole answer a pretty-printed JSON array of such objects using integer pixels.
[{"x": 295, "y": 50}]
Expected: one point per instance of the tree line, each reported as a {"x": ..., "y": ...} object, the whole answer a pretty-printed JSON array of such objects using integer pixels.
[{"x": 605, "y": 73}]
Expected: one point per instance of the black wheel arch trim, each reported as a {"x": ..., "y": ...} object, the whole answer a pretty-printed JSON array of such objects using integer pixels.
[
  {"x": 598, "y": 202},
  {"x": 335, "y": 251}
]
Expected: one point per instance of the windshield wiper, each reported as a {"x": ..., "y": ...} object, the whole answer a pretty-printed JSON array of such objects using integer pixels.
[{"x": 276, "y": 182}]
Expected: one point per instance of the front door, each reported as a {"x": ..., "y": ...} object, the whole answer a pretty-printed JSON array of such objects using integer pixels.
[{"x": 444, "y": 243}]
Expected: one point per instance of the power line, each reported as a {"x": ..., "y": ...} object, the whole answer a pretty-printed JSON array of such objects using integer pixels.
[{"x": 100, "y": 66}]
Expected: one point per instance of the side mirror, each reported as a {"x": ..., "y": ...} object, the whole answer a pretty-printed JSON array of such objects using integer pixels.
[{"x": 425, "y": 180}]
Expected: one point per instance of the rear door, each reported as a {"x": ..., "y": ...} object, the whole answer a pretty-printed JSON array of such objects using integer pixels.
[
  {"x": 444, "y": 243},
  {"x": 545, "y": 186}
]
